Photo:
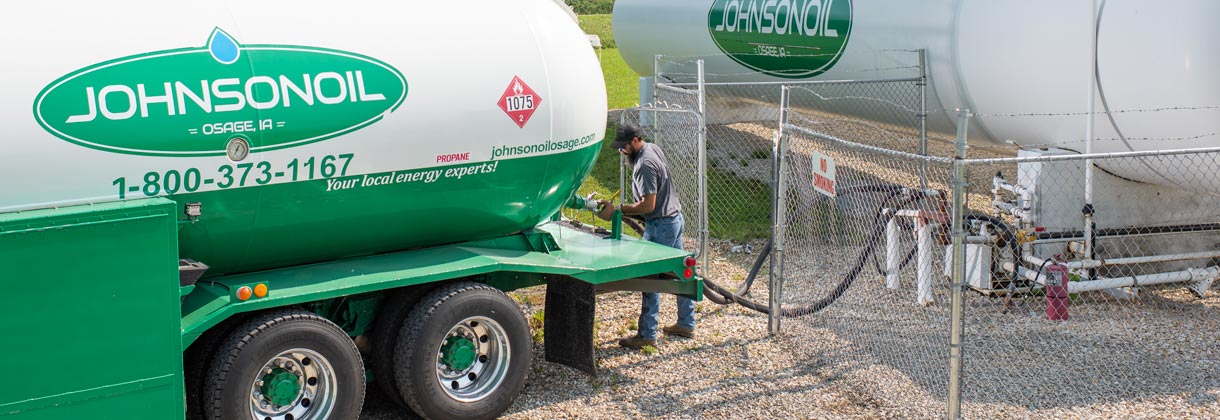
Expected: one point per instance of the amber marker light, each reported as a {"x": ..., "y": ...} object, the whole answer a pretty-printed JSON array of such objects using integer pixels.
[
  {"x": 244, "y": 292},
  {"x": 260, "y": 290}
]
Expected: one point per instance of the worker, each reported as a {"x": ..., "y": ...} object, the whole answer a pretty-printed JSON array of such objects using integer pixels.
[{"x": 656, "y": 201}]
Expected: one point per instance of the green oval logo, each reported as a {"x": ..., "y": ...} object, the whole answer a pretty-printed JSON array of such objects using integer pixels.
[
  {"x": 784, "y": 38},
  {"x": 191, "y": 101}
]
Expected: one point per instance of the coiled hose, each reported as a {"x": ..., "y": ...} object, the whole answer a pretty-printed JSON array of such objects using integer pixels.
[{"x": 719, "y": 295}]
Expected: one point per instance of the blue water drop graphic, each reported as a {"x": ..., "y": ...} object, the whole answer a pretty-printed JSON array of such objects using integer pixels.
[{"x": 223, "y": 47}]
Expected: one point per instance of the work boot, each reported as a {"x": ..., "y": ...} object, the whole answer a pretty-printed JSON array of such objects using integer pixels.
[
  {"x": 637, "y": 342},
  {"x": 679, "y": 331}
]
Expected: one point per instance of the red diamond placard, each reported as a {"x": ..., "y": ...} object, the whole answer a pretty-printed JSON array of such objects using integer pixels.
[{"x": 519, "y": 101}]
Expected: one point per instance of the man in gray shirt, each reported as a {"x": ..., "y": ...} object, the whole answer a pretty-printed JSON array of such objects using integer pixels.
[{"x": 656, "y": 201}]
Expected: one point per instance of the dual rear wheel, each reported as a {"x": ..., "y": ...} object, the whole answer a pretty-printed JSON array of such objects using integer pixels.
[{"x": 459, "y": 351}]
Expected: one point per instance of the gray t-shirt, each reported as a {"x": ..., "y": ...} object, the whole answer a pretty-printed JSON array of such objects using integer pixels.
[{"x": 650, "y": 175}]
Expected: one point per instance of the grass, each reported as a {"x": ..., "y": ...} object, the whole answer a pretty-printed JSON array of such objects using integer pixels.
[
  {"x": 536, "y": 322},
  {"x": 727, "y": 219},
  {"x": 622, "y": 84},
  {"x": 599, "y": 25}
]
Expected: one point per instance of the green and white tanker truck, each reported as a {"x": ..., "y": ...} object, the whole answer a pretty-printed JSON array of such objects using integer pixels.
[{"x": 205, "y": 207}]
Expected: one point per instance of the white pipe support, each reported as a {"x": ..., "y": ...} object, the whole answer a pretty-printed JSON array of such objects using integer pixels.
[
  {"x": 893, "y": 252},
  {"x": 923, "y": 215},
  {"x": 924, "y": 277}
]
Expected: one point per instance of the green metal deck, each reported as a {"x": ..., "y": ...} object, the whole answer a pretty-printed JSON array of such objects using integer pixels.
[{"x": 508, "y": 262}]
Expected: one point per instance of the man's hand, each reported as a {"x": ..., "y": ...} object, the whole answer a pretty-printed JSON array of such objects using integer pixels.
[{"x": 607, "y": 210}]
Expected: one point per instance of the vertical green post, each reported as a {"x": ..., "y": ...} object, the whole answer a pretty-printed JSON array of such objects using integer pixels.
[{"x": 616, "y": 225}]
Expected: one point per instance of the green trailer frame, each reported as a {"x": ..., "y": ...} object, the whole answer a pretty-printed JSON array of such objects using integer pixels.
[{"x": 96, "y": 320}]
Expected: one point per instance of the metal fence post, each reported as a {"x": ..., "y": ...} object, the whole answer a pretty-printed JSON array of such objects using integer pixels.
[
  {"x": 959, "y": 268},
  {"x": 923, "y": 117},
  {"x": 704, "y": 234},
  {"x": 780, "y": 215}
]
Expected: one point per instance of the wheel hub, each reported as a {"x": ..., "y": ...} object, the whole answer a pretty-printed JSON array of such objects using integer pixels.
[
  {"x": 281, "y": 387},
  {"x": 472, "y": 360},
  {"x": 297, "y": 384},
  {"x": 458, "y": 353}
]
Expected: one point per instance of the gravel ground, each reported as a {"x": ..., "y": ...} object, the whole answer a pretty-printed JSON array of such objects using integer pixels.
[{"x": 875, "y": 352}]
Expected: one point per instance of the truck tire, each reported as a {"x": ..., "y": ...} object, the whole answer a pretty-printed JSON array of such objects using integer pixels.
[
  {"x": 196, "y": 361},
  {"x": 385, "y": 338},
  {"x": 463, "y": 353},
  {"x": 287, "y": 364}
]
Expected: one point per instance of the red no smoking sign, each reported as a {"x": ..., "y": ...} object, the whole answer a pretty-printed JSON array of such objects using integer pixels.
[{"x": 519, "y": 101}]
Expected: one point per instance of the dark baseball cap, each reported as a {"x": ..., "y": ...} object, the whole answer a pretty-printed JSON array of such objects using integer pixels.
[{"x": 626, "y": 132}]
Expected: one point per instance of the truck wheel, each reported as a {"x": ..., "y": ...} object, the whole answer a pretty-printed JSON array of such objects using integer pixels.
[
  {"x": 197, "y": 359},
  {"x": 286, "y": 365},
  {"x": 385, "y": 337},
  {"x": 463, "y": 352}
]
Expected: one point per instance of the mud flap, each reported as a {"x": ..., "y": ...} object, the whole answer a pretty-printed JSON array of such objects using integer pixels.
[{"x": 568, "y": 327}]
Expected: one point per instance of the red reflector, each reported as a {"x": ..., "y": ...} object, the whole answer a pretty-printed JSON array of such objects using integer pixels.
[
  {"x": 688, "y": 273},
  {"x": 690, "y": 262}
]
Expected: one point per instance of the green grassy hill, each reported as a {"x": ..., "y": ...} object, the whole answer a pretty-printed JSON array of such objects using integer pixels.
[
  {"x": 622, "y": 90},
  {"x": 621, "y": 82}
]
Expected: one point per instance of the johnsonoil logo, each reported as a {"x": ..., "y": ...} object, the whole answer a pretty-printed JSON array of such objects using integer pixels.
[
  {"x": 191, "y": 101},
  {"x": 784, "y": 38}
]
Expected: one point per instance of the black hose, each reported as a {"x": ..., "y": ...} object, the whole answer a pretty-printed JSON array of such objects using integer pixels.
[
  {"x": 754, "y": 269},
  {"x": 714, "y": 291},
  {"x": 1007, "y": 237}
]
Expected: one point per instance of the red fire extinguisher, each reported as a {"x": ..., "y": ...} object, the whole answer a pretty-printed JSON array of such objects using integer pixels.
[{"x": 1057, "y": 299}]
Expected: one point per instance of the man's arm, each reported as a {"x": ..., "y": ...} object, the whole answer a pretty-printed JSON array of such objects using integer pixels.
[
  {"x": 642, "y": 207},
  {"x": 645, "y": 206}
]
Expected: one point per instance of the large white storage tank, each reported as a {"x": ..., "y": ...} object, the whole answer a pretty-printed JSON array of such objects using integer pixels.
[{"x": 1022, "y": 65}]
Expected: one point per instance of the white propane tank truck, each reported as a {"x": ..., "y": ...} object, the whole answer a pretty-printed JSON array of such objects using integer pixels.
[{"x": 204, "y": 207}]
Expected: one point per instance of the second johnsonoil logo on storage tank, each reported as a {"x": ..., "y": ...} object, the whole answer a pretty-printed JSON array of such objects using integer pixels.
[
  {"x": 784, "y": 38},
  {"x": 191, "y": 101}
]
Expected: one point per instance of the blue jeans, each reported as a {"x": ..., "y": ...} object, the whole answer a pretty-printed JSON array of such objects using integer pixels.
[{"x": 668, "y": 232}]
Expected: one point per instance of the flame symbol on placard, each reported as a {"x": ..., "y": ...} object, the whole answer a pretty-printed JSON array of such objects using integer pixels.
[{"x": 517, "y": 87}]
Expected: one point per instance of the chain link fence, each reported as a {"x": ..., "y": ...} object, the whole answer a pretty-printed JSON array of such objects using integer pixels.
[
  {"x": 678, "y": 132},
  {"x": 1093, "y": 303},
  {"x": 1083, "y": 285},
  {"x": 864, "y": 259}
]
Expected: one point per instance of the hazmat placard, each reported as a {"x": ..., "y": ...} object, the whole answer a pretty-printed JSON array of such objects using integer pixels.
[
  {"x": 519, "y": 101},
  {"x": 823, "y": 174}
]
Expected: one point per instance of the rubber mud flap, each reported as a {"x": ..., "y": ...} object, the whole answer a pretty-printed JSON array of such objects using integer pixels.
[{"x": 568, "y": 327}]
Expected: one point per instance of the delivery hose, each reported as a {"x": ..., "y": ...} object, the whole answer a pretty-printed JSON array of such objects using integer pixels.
[{"x": 718, "y": 294}]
